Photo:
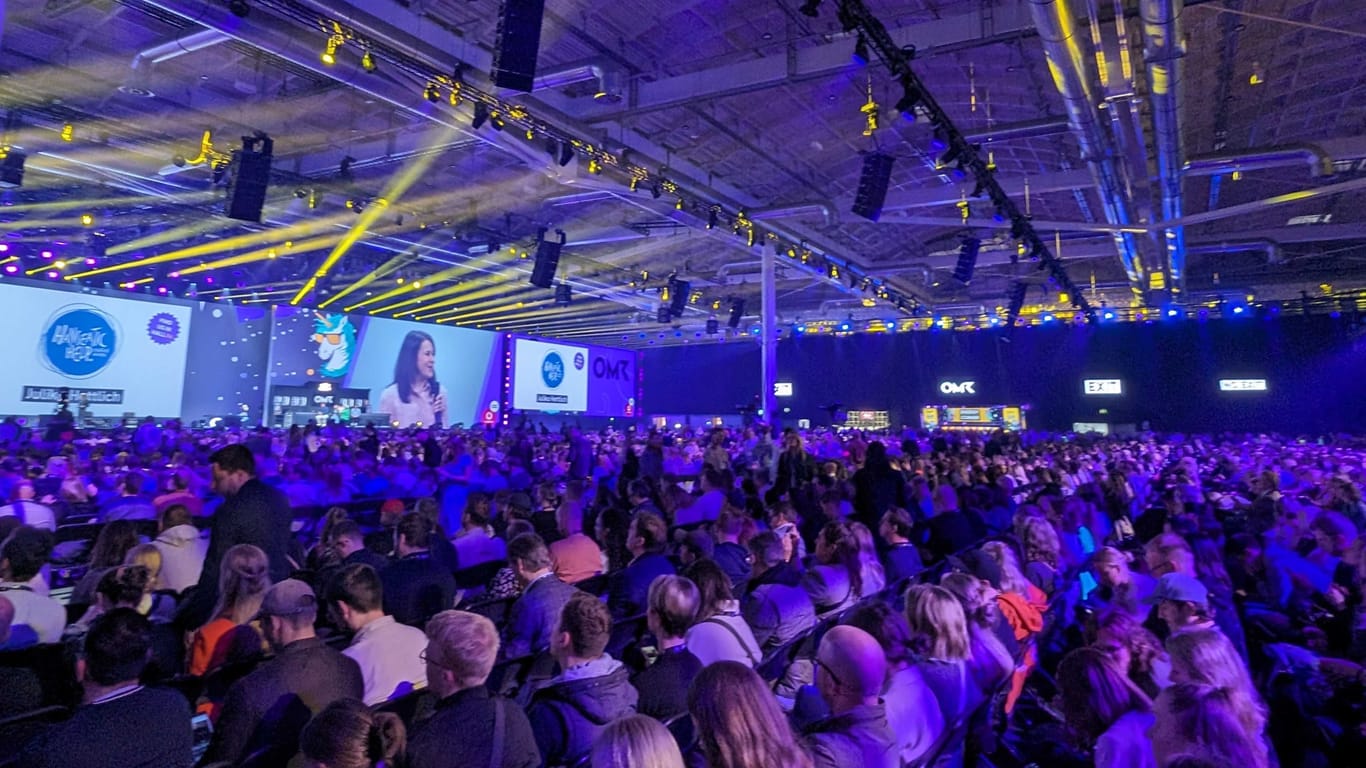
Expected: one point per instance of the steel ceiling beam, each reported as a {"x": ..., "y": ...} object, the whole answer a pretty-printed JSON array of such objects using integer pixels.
[{"x": 1004, "y": 20}]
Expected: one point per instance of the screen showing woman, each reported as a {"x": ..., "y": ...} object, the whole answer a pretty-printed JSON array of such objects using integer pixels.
[{"x": 415, "y": 396}]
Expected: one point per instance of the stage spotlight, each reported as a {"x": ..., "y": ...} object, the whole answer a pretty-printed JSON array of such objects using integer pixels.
[
  {"x": 910, "y": 97},
  {"x": 87, "y": 219},
  {"x": 367, "y": 62},
  {"x": 329, "y": 55},
  {"x": 861, "y": 51},
  {"x": 481, "y": 115},
  {"x": 496, "y": 122},
  {"x": 811, "y": 8},
  {"x": 68, "y": 132},
  {"x": 432, "y": 93}
]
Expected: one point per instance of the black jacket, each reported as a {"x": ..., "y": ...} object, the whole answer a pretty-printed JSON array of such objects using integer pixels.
[
  {"x": 877, "y": 488},
  {"x": 267, "y": 709},
  {"x": 663, "y": 686},
  {"x": 631, "y": 585},
  {"x": 567, "y": 716},
  {"x": 461, "y": 733},
  {"x": 416, "y": 588},
  {"x": 145, "y": 728},
  {"x": 257, "y": 514}
]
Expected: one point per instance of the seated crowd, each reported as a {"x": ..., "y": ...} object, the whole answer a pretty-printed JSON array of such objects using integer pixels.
[{"x": 518, "y": 598}]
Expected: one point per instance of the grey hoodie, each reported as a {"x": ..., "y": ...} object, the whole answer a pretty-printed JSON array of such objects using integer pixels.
[{"x": 182, "y": 548}]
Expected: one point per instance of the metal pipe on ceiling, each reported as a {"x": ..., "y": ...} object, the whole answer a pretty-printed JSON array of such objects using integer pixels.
[
  {"x": 1164, "y": 50},
  {"x": 1271, "y": 248},
  {"x": 1030, "y": 129},
  {"x": 1071, "y": 64},
  {"x": 825, "y": 208},
  {"x": 1316, "y": 157},
  {"x": 195, "y": 41}
]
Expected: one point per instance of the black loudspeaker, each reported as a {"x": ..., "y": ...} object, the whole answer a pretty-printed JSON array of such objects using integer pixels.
[
  {"x": 663, "y": 315},
  {"x": 713, "y": 326},
  {"x": 737, "y": 312},
  {"x": 967, "y": 259},
  {"x": 547, "y": 261},
  {"x": 247, "y": 184},
  {"x": 678, "y": 296},
  {"x": 563, "y": 294},
  {"x": 12, "y": 169},
  {"x": 517, "y": 43},
  {"x": 1017, "y": 300},
  {"x": 872, "y": 185}
]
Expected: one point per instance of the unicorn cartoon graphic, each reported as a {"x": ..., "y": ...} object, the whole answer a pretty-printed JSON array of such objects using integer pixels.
[{"x": 336, "y": 339}]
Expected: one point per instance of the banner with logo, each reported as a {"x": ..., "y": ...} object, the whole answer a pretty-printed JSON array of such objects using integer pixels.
[
  {"x": 112, "y": 355},
  {"x": 614, "y": 382},
  {"x": 549, "y": 377}
]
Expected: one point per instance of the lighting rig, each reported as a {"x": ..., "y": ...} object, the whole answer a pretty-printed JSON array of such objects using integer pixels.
[{"x": 963, "y": 156}]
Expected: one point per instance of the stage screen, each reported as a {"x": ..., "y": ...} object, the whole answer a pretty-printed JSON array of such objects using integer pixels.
[
  {"x": 596, "y": 381},
  {"x": 549, "y": 377},
  {"x": 121, "y": 355},
  {"x": 361, "y": 352}
]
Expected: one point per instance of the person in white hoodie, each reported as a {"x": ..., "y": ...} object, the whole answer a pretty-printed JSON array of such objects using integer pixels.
[{"x": 182, "y": 547}]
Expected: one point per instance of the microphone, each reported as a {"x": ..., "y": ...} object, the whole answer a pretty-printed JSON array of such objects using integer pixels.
[{"x": 440, "y": 415}]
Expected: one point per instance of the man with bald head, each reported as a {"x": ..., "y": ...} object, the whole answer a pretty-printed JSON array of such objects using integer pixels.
[{"x": 851, "y": 670}]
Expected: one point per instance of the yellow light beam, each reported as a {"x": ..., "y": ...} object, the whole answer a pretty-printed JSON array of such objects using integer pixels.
[
  {"x": 395, "y": 190},
  {"x": 260, "y": 254},
  {"x": 379, "y": 272},
  {"x": 416, "y": 284}
]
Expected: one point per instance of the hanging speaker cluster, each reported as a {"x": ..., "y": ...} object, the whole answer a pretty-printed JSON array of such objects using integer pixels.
[
  {"x": 872, "y": 185},
  {"x": 249, "y": 175},
  {"x": 547, "y": 260},
  {"x": 517, "y": 43}
]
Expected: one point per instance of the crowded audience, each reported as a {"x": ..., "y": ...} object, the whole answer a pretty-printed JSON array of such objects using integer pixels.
[{"x": 272, "y": 598}]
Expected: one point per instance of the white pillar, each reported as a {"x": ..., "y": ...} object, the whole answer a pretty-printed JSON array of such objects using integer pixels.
[{"x": 768, "y": 334}]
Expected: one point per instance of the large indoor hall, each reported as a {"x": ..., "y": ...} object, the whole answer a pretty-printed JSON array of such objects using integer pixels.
[{"x": 704, "y": 384}]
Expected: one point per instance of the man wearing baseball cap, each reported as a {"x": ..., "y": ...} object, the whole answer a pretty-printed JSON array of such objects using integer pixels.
[
  {"x": 1183, "y": 603},
  {"x": 265, "y": 711}
]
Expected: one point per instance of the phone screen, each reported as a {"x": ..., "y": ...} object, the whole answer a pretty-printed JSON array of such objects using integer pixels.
[{"x": 203, "y": 734}]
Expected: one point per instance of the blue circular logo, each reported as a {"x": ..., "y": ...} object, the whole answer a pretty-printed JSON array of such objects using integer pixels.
[
  {"x": 552, "y": 370},
  {"x": 578, "y": 361},
  {"x": 79, "y": 341}
]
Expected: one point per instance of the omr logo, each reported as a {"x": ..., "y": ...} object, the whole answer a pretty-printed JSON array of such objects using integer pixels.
[
  {"x": 616, "y": 370},
  {"x": 958, "y": 388}
]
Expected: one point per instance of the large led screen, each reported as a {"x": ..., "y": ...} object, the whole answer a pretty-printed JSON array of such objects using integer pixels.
[
  {"x": 417, "y": 373},
  {"x": 551, "y": 376},
  {"x": 113, "y": 354}
]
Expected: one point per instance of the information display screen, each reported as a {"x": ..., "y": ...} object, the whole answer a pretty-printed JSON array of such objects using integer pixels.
[
  {"x": 574, "y": 378},
  {"x": 112, "y": 355}
]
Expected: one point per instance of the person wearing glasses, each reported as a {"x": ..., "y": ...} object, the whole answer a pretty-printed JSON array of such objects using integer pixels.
[
  {"x": 305, "y": 671},
  {"x": 470, "y": 726},
  {"x": 850, "y": 671}
]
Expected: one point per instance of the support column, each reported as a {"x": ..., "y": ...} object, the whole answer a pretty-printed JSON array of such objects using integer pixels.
[{"x": 768, "y": 334}]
